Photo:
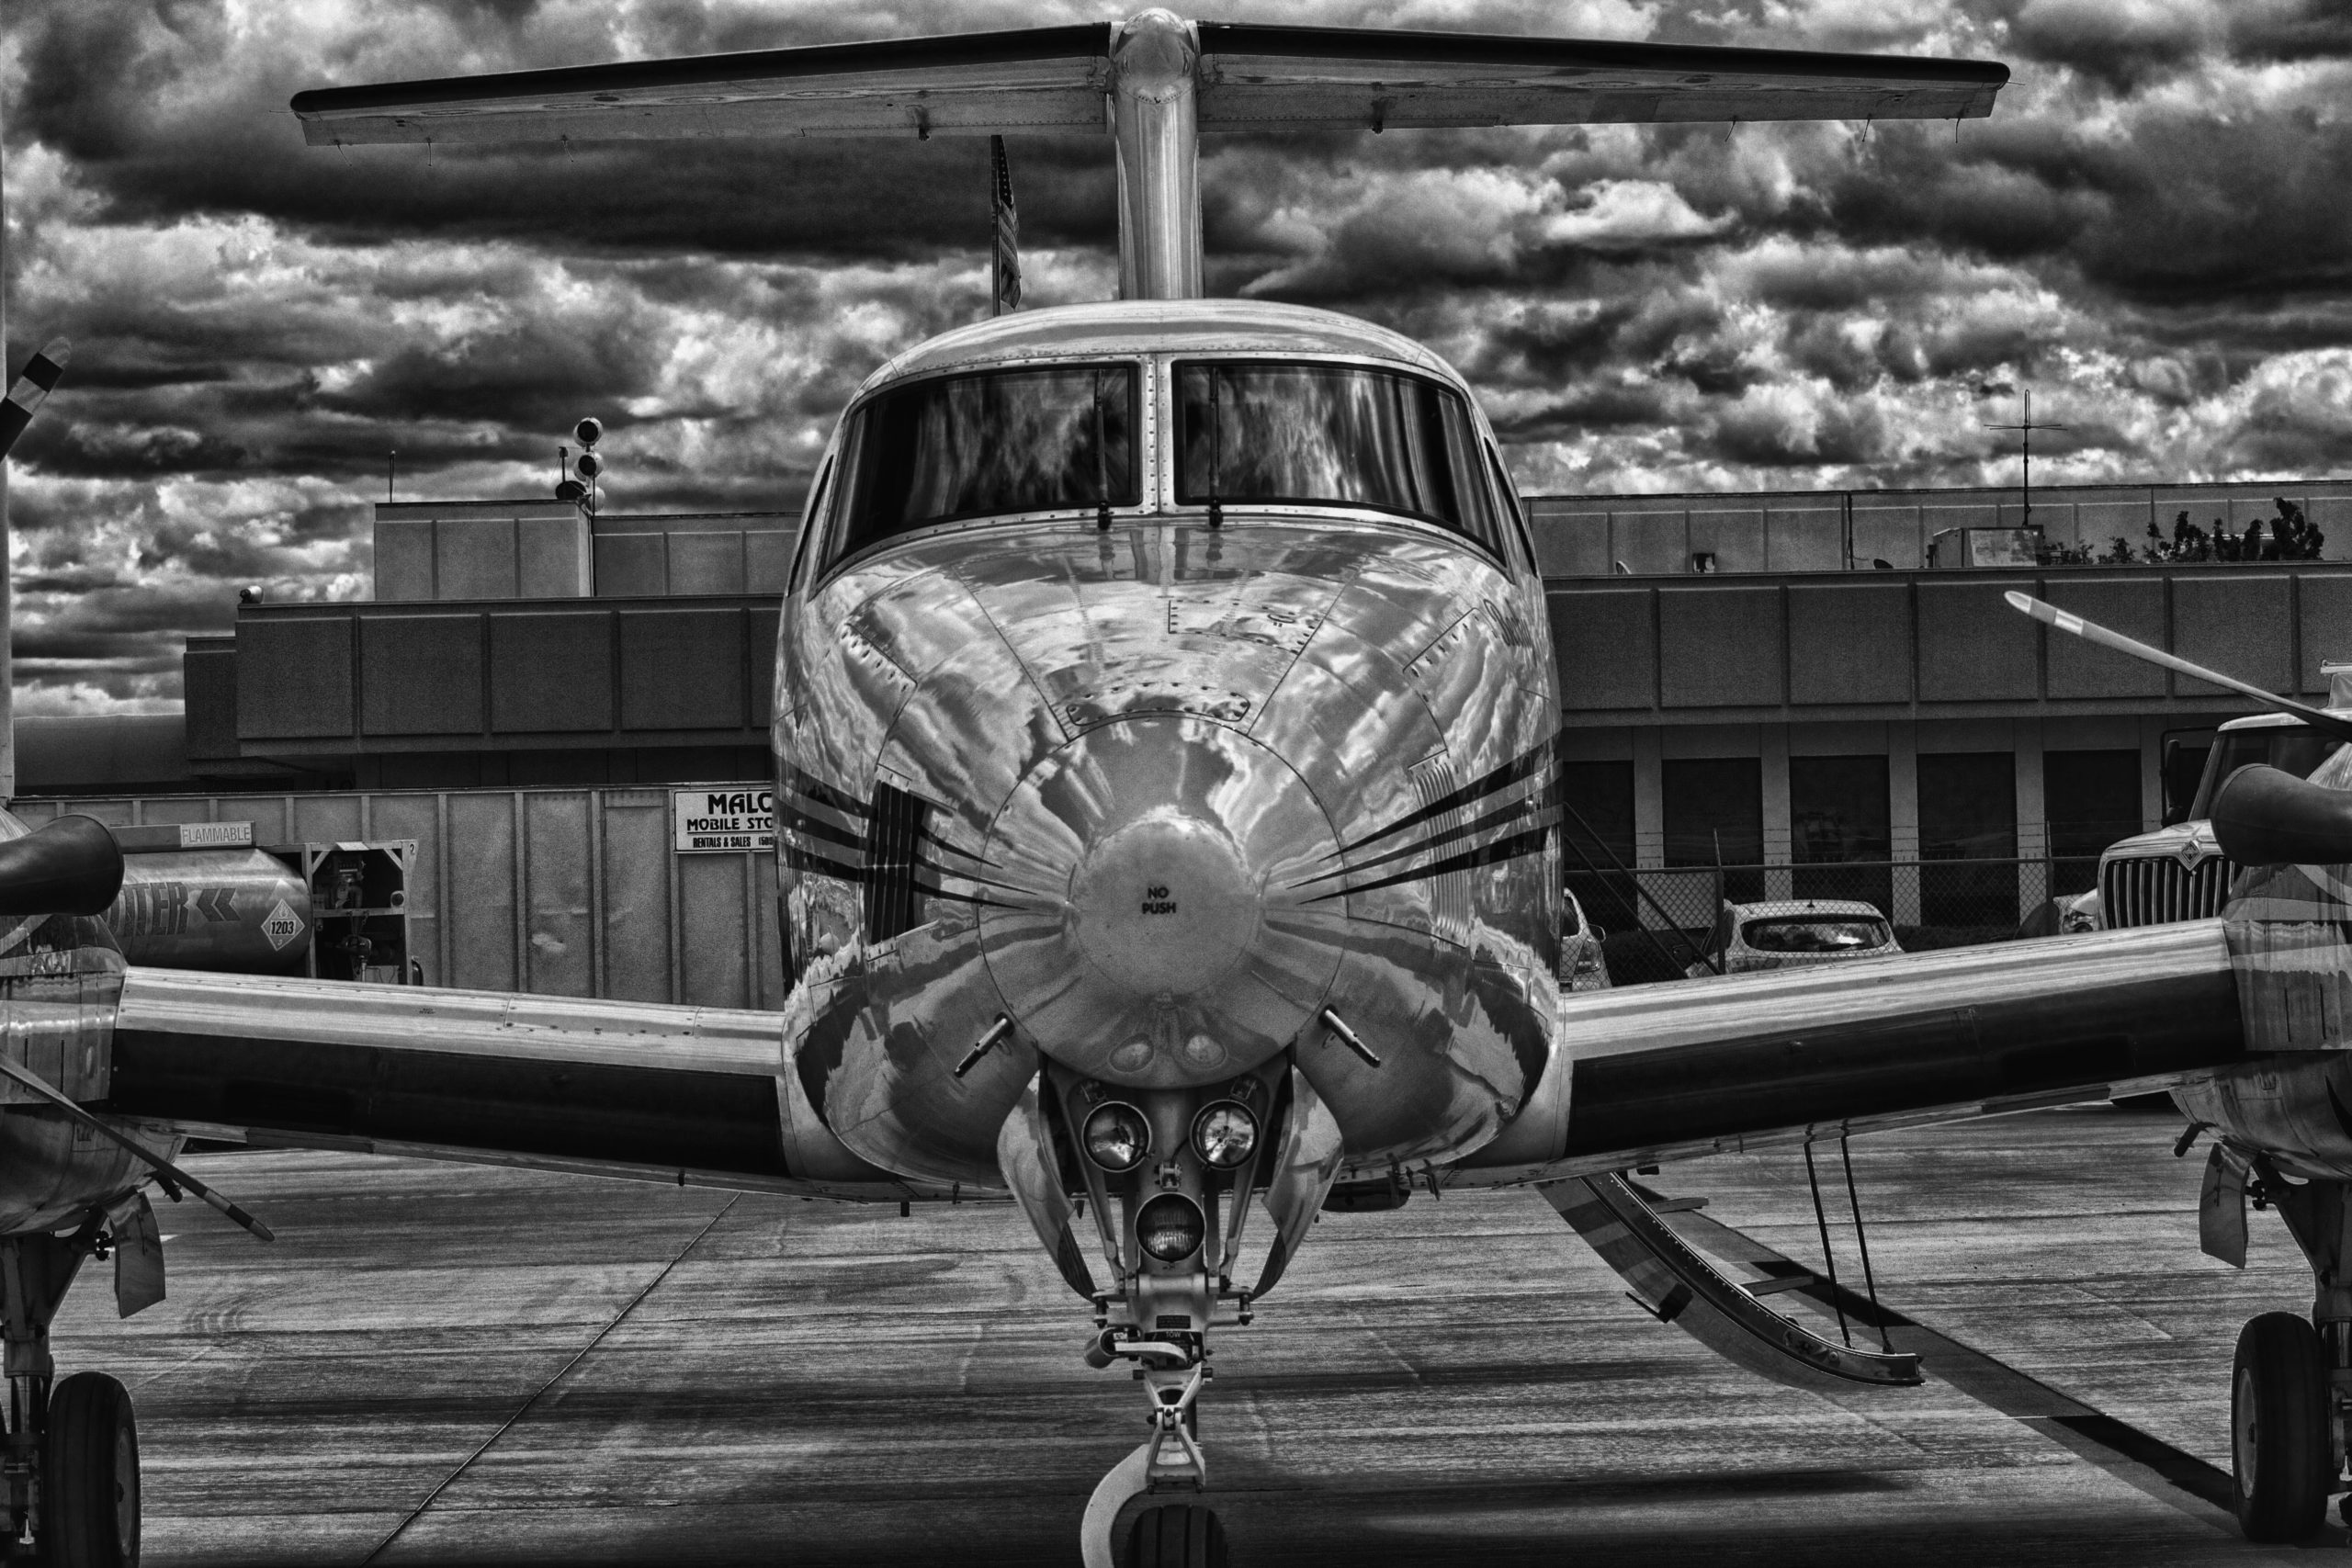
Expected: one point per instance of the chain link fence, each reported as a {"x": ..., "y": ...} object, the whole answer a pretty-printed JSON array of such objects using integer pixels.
[{"x": 1657, "y": 921}]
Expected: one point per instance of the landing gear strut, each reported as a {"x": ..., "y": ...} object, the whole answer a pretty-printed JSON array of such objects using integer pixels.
[{"x": 69, "y": 1457}]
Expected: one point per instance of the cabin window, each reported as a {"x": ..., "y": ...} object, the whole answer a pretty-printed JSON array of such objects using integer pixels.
[
  {"x": 988, "y": 445},
  {"x": 1313, "y": 435}
]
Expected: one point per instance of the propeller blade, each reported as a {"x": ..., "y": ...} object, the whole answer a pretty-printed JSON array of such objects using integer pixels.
[
  {"x": 2269, "y": 816},
  {"x": 69, "y": 867},
  {"x": 40, "y": 374},
  {"x": 2091, "y": 631}
]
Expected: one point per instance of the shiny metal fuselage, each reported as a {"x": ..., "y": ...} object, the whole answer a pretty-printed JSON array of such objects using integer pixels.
[{"x": 1160, "y": 792}]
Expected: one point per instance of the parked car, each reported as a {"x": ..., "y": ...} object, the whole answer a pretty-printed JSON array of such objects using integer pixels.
[
  {"x": 1788, "y": 932},
  {"x": 2069, "y": 914},
  {"x": 1583, "y": 966}
]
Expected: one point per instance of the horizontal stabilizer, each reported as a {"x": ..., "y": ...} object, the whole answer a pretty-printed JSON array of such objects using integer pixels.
[
  {"x": 1269, "y": 78},
  {"x": 1039, "y": 80},
  {"x": 1681, "y": 1288},
  {"x": 1057, "y": 80}
]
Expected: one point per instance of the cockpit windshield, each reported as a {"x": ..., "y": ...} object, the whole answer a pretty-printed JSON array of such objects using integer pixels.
[
  {"x": 1306, "y": 433},
  {"x": 985, "y": 444}
]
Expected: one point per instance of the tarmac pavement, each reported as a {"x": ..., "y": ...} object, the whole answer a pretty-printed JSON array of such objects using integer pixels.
[{"x": 442, "y": 1364}]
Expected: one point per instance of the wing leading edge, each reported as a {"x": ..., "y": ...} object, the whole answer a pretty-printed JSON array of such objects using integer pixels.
[
  {"x": 1659, "y": 1072},
  {"x": 613, "y": 1087},
  {"x": 1644, "y": 1073}
]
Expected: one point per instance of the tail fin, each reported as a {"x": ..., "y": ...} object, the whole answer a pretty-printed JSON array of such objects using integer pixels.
[{"x": 1153, "y": 82}]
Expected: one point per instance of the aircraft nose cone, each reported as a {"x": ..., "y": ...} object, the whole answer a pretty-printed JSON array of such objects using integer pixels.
[
  {"x": 1155, "y": 920},
  {"x": 1164, "y": 906}
]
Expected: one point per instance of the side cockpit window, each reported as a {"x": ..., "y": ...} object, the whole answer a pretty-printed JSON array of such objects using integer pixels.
[
  {"x": 993, "y": 443},
  {"x": 1319, "y": 435},
  {"x": 812, "y": 523},
  {"x": 1516, "y": 512}
]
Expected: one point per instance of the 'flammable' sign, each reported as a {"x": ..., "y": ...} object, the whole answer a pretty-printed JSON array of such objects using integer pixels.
[{"x": 723, "y": 818}]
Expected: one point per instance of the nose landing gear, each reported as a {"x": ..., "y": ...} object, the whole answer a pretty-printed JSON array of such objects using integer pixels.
[
  {"x": 1169, "y": 1535},
  {"x": 1169, "y": 1174}
]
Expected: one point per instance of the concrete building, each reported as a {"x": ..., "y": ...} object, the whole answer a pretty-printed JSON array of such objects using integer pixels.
[
  {"x": 1790, "y": 702},
  {"x": 1780, "y": 681}
]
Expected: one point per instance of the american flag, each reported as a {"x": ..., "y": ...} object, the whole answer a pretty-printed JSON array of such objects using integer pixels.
[{"x": 1007, "y": 268}]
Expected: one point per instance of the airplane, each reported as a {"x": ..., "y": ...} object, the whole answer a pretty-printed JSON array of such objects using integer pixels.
[{"x": 1170, "y": 820}]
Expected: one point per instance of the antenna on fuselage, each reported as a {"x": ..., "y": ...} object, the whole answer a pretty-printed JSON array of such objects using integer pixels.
[{"x": 1156, "y": 83}]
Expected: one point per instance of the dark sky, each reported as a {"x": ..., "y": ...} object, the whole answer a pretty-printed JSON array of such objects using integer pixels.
[{"x": 2154, "y": 232}]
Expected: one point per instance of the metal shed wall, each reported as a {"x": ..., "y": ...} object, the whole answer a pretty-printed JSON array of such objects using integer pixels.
[{"x": 556, "y": 891}]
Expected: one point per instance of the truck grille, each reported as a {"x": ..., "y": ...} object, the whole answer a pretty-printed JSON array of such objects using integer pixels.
[{"x": 2156, "y": 889}]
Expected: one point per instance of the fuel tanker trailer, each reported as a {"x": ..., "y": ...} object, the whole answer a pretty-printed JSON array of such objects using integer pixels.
[
  {"x": 242, "y": 911},
  {"x": 204, "y": 895}
]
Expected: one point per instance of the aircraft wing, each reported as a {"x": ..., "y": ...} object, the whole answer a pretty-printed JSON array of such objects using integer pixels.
[
  {"x": 1649, "y": 1072},
  {"x": 623, "y": 1089},
  {"x": 1057, "y": 80},
  {"x": 1679, "y": 1070}
]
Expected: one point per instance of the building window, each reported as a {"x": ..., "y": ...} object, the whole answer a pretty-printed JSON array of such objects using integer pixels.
[
  {"x": 1602, "y": 797},
  {"x": 1715, "y": 815},
  {"x": 1968, "y": 813},
  {"x": 1840, "y": 834},
  {"x": 2090, "y": 799}
]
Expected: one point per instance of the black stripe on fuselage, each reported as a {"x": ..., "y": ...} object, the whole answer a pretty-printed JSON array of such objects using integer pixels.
[
  {"x": 799, "y": 821},
  {"x": 888, "y": 861},
  {"x": 823, "y": 793},
  {"x": 1501, "y": 849},
  {"x": 1510, "y": 772},
  {"x": 1545, "y": 799}
]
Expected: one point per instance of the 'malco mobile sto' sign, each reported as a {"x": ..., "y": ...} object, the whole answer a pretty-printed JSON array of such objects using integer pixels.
[{"x": 723, "y": 818}]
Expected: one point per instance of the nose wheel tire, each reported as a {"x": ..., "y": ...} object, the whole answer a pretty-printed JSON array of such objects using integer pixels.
[
  {"x": 90, "y": 1476},
  {"x": 1176, "y": 1535},
  {"x": 2282, "y": 1463}
]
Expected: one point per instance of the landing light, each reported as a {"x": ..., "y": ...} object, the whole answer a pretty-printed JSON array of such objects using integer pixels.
[
  {"x": 1171, "y": 1227},
  {"x": 1225, "y": 1134},
  {"x": 1117, "y": 1136}
]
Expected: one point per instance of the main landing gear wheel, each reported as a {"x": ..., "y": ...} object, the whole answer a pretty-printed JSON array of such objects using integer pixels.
[
  {"x": 1176, "y": 1535},
  {"x": 90, "y": 1476},
  {"x": 2278, "y": 1430}
]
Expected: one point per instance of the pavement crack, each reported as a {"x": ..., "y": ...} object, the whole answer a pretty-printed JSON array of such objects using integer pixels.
[{"x": 542, "y": 1391}]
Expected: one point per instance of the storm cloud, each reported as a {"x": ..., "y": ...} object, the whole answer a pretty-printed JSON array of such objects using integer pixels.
[{"x": 2149, "y": 233}]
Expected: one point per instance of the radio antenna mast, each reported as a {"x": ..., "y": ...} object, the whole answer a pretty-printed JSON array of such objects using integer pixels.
[{"x": 2024, "y": 428}]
